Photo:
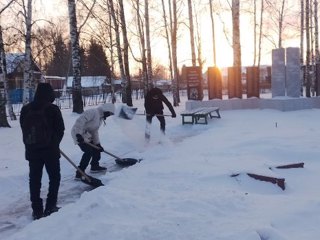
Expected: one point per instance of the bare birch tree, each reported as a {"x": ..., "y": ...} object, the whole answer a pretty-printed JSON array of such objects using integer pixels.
[
  {"x": 191, "y": 31},
  {"x": 173, "y": 30},
  {"x": 281, "y": 16},
  {"x": 76, "y": 65},
  {"x": 166, "y": 27},
  {"x": 316, "y": 32},
  {"x": 260, "y": 32},
  {"x": 302, "y": 18},
  {"x": 236, "y": 33},
  {"x": 279, "y": 21},
  {"x": 142, "y": 45},
  {"x": 308, "y": 53},
  {"x": 316, "y": 42},
  {"x": 148, "y": 41},
  {"x": 255, "y": 26},
  {"x": 213, "y": 34},
  {"x": 117, "y": 37},
  {"x": 28, "y": 80},
  {"x": 126, "y": 97},
  {"x": 4, "y": 96}
]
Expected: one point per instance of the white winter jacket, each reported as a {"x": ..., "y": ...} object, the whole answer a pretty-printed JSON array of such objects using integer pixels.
[{"x": 89, "y": 122}]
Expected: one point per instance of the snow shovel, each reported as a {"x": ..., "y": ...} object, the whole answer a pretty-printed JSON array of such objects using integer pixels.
[
  {"x": 94, "y": 182},
  {"x": 127, "y": 112},
  {"x": 124, "y": 162},
  {"x": 158, "y": 115}
]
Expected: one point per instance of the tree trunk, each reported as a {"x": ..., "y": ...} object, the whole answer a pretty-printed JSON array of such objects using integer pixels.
[
  {"x": 302, "y": 10},
  {"x": 316, "y": 42},
  {"x": 148, "y": 41},
  {"x": 113, "y": 95},
  {"x": 260, "y": 32},
  {"x": 76, "y": 61},
  {"x": 4, "y": 95},
  {"x": 236, "y": 33},
  {"x": 307, "y": 70},
  {"x": 236, "y": 46},
  {"x": 126, "y": 98},
  {"x": 281, "y": 23},
  {"x": 254, "y": 32},
  {"x": 193, "y": 52},
  {"x": 3, "y": 114},
  {"x": 316, "y": 31},
  {"x": 175, "y": 87},
  {"x": 118, "y": 42},
  {"x": 145, "y": 78},
  {"x": 167, "y": 38},
  {"x": 28, "y": 81},
  {"x": 312, "y": 55},
  {"x": 213, "y": 35}
]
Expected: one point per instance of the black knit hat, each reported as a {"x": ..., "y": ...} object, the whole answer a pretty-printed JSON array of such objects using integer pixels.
[
  {"x": 155, "y": 92},
  {"x": 44, "y": 93}
]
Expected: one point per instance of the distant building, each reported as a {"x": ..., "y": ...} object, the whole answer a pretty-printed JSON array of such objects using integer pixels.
[
  {"x": 15, "y": 72},
  {"x": 88, "y": 81},
  {"x": 15, "y": 69},
  {"x": 56, "y": 82}
]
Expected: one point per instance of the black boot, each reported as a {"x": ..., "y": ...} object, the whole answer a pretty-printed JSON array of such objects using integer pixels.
[
  {"x": 37, "y": 208},
  {"x": 49, "y": 210},
  {"x": 78, "y": 176},
  {"x": 37, "y": 215},
  {"x": 97, "y": 168}
]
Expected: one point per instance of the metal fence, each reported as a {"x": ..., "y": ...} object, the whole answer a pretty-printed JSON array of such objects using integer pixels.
[{"x": 64, "y": 98}]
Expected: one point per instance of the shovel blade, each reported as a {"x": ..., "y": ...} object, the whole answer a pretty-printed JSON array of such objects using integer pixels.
[
  {"x": 127, "y": 112},
  {"x": 125, "y": 162},
  {"x": 94, "y": 182}
]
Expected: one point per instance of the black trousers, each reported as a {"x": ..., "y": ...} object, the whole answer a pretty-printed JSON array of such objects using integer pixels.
[
  {"x": 160, "y": 118},
  {"x": 89, "y": 153},
  {"x": 52, "y": 167}
]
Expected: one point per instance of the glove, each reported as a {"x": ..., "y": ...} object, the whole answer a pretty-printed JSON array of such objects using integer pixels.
[
  {"x": 107, "y": 114},
  {"x": 101, "y": 148},
  {"x": 173, "y": 115},
  {"x": 79, "y": 138}
]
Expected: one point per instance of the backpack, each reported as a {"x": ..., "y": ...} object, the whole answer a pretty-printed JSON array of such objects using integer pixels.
[{"x": 36, "y": 131}]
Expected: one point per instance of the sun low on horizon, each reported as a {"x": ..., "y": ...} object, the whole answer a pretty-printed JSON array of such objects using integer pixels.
[{"x": 223, "y": 41}]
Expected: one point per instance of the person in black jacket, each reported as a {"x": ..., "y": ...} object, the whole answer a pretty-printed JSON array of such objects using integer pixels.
[
  {"x": 47, "y": 155},
  {"x": 154, "y": 107}
]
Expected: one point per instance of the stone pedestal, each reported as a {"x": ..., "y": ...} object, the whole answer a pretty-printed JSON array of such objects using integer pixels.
[
  {"x": 278, "y": 75},
  {"x": 214, "y": 83},
  {"x": 253, "y": 82},
  {"x": 234, "y": 82},
  {"x": 293, "y": 82}
]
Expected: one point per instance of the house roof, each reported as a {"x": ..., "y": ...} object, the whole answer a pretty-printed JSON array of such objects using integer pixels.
[
  {"x": 88, "y": 81},
  {"x": 13, "y": 60}
]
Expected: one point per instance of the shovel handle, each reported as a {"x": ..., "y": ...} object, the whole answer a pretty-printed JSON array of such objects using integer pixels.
[
  {"x": 72, "y": 163},
  {"x": 109, "y": 153},
  {"x": 159, "y": 115}
]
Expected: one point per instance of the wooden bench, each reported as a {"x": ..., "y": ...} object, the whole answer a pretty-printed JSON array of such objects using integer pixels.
[
  {"x": 205, "y": 113},
  {"x": 189, "y": 114}
]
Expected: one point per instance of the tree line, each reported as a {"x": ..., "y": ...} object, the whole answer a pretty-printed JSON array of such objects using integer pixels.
[{"x": 118, "y": 34}]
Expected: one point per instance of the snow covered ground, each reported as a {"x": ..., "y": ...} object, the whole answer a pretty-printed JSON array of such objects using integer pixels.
[{"x": 183, "y": 188}]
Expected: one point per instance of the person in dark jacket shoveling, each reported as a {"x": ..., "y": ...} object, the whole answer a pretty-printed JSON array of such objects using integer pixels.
[
  {"x": 39, "y": 154},
  {"x": 154, "y": 107},
  {"x": 85, "y": 130}
]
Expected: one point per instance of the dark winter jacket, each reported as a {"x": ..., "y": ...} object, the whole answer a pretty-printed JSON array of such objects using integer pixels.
[
  {"x": 44, "y": 97},
  {"x": 153, "y": 102}
]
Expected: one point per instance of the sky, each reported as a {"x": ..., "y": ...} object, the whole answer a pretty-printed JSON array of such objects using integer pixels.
[
  {"x": 182, "y": 189},
  {"x": 223, "y": 28}
]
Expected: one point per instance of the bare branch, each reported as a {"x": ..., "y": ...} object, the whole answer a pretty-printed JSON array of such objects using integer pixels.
[{"x": 6, "y": 6}]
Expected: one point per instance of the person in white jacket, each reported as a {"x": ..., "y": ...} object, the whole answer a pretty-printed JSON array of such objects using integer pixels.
[{"x": 85, "y": 130}]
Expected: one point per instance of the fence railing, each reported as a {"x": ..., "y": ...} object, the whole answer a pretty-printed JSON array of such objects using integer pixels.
[{"x": 64, "y": 98}]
